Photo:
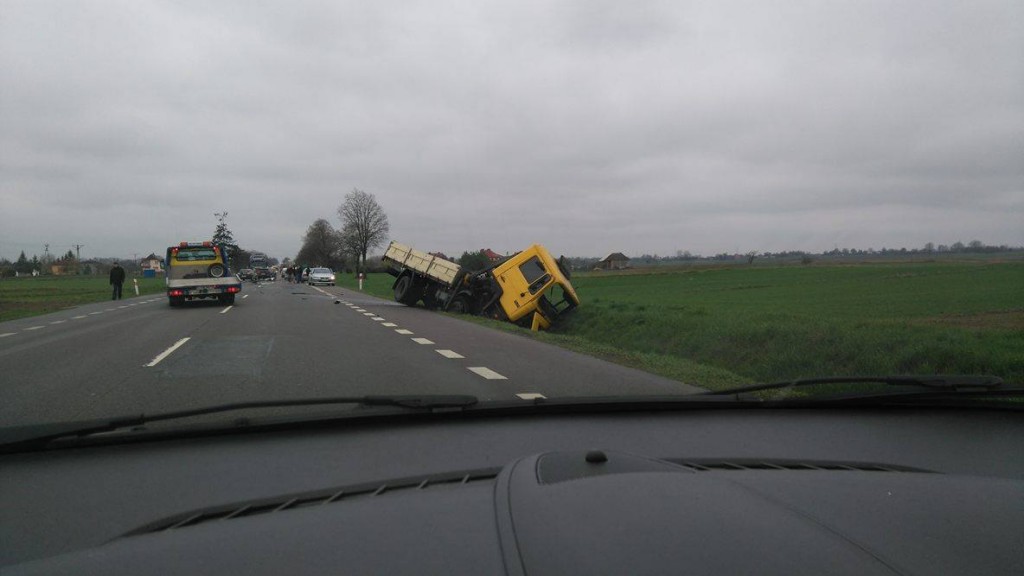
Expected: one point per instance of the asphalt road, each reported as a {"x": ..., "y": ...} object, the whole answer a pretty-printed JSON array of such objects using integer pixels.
[{"x": 279, "y": 341}]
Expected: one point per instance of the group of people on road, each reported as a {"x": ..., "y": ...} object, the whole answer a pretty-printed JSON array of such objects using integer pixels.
[{"x": 296, "y": 274}]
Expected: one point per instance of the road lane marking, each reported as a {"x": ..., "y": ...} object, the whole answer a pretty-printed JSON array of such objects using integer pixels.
[
  {"x": 531, "y": 396},
  {"x": 34, "y": 328},
  {"x": 377, "y": 319},
  {"x": 58, "y": 322},
  {"x": 421, "y": 341},
  {"x": 226, "y": 310},
  {"x": 389, "y": 324},
  {"x": 110, "y": 309},
  {"x": 167, "y": 352},
  {"x": 449, "y": 353},
  {"x": 6, "y": 334},
  {"x": 359, "y": 310},
  {"x": 94, "y": 313},
  {"x": 78, "y": 317},
  {"x": 369, "y": 314},
  {"x": 486, "y": 373},
  {"x": 244, "y": 296},
  {"x": 404, "y": 332}
]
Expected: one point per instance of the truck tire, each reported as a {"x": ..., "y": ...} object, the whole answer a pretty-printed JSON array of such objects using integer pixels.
[
  {"x": 227, "y": 299},
  {"x": 405, "y": 291},
  {"x": 215, "y": 270},
  {"x": 459, "y": 305}
]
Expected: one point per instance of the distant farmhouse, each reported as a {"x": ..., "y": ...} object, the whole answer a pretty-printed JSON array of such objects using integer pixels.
[
  {"x": 152, "y": 262},
  {"x": 491, "y": 255},
  {"x": 613, "y": 261}
]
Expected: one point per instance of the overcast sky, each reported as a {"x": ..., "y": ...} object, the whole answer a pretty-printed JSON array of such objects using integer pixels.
[{"x": 588, "y": 126}]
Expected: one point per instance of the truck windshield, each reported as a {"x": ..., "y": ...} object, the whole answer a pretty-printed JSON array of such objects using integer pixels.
[{"x": 556, "y": 301}]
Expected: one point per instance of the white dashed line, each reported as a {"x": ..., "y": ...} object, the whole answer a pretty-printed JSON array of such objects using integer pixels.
[
  {"x": 449, "y": 354},
  {"x": 167, "y": 352},
  {"x": 389, "y": 324},
  {"x": 369, "y": 314},
  {"x": 94, "y": 313},
  {"x": 244, "y": 296},
  {"x": 77, "y": 317},
  {"x": 226, "y": 310},
  {"x": 531, "y": 396},
  {"x": 486, "y": 373},
  {"x": 34, "y": 328},
  {"x": 377, "y": 319},
  {"x": 404, "y": 332},
  {"x": 110, "y": 309},
  {"x": 6, "y": 334},
  {"x": 359, "y": 310},
  {"x": 421, "y": 341},
  {"x": 58, "y": 322}
]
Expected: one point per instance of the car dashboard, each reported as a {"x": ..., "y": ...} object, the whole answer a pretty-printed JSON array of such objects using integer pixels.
[{"x": 770, "y": 491}]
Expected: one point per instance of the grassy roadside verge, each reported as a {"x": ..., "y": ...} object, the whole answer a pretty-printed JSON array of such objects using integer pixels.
[
  {"x": 24, "y": 297},
  {"x": 719, "y": 327}
]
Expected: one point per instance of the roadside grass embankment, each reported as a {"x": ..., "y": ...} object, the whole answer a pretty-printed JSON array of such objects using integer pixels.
[
  {"x": 31, "y": 296},
  {"x": 718, "y": 327}
]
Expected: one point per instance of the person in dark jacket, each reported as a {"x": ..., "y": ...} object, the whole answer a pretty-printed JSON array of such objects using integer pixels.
[{"x": 116, "y": 280}]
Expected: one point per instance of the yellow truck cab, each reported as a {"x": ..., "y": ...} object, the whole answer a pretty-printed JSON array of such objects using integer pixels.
[
  {"x": 530, "y": 288},
  {"x": 535, "y": 288},
  {"x": 197, "y": 270}
]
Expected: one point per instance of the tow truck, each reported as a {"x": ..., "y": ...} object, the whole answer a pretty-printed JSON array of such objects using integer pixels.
[{"x": 199, "y": 270}]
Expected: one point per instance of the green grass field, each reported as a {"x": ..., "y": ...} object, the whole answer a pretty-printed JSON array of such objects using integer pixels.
[
  {"x": 21, "y": 297},
  {"x": 725, "y": 326}
]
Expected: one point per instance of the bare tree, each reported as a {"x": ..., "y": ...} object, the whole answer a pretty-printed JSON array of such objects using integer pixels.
[
  {"x": 364, "y": 225},
  {"x": 321, "y": 245}
]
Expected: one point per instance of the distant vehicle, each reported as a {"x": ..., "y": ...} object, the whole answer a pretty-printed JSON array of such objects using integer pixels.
[
  {"x": 197, "y": 270},
  {"x": 246, "y": 274},
  {"x": 530, "y": 288},
  {"x": 321, "y": 276}
]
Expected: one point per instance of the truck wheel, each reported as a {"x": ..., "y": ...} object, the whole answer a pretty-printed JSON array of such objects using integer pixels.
[
  {"x": 227, "y": 299},
  {"x": 459, "y": 305},
  {"x": 215, "y": 270},
  {"x": 405, "y": 291}
]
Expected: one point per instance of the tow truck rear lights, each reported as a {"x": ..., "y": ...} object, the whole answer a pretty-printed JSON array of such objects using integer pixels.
[
  {"x": 233, "y": 289},
  {"x": 175, "y": 292}
]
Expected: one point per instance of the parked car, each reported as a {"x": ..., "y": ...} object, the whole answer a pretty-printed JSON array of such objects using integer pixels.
[{"x": 321, "y": 276}]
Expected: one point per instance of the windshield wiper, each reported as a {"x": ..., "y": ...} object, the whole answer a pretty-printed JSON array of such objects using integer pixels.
[
  {"x": 954, "y": 383},
  {"x": 37, "y": 436}
]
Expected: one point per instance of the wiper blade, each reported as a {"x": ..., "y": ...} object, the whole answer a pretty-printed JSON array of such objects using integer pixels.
[
  {"x": 945, "y": 383},
  {"x": 40, "y": 435}
]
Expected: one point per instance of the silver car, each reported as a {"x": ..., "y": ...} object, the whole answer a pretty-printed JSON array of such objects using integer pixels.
[{"x": 321, "y": 276}]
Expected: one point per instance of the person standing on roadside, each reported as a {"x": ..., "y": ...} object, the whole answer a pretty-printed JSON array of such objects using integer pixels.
[{"x": 116, "y": 280}]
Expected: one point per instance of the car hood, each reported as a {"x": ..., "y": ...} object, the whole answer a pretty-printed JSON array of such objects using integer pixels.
[{"x": 596, "y": 513}]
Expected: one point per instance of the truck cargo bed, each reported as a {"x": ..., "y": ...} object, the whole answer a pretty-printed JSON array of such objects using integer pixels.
[{"x": 433, "y": 267}]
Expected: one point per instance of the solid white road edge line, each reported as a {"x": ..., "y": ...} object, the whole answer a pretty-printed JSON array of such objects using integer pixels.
[
  {"x": 486, "y": 373},
  {"x": 167, "y": 352}
]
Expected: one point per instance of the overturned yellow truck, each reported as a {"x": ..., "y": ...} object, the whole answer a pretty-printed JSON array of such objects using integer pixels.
[{"x": 529, "y": 288}]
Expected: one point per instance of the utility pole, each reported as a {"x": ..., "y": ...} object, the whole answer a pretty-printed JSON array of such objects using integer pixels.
[{"x": 78, "y": 258}]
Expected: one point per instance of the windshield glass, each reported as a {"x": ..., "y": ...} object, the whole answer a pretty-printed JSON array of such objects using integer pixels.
[{"x": 480, "y": 198}]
